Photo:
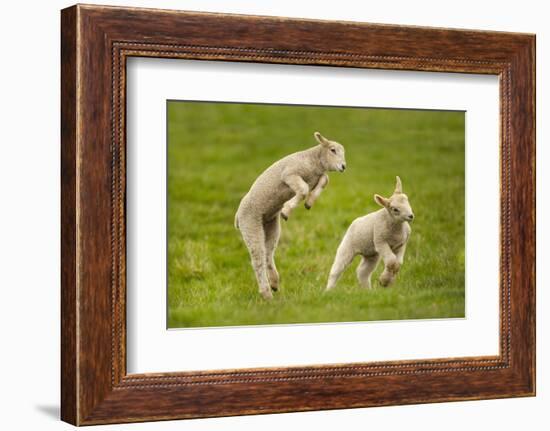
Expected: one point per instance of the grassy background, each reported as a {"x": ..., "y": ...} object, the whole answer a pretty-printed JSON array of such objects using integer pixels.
[{"x": 215, "y": 152}]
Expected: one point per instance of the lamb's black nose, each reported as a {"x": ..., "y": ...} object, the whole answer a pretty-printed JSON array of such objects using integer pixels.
[
  {"x": 411, "y": 216},
  {"x": 343, "y": 168}
]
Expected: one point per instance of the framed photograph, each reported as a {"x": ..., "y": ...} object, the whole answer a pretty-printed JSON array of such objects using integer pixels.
[{"x": 264, "y": 214}]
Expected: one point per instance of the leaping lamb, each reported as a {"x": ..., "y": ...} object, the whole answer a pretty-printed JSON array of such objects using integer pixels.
[
  {"x": 278, "y": 191},
  {"x": 381, "y": 234}
]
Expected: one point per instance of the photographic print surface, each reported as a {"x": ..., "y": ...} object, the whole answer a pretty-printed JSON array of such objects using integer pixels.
[{"x": 220, "y": 155}]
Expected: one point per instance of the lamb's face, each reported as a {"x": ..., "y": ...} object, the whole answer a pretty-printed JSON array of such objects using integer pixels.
[
  {"x": 333, "y": 156},
  {"x": 397, "y": 205},
  {"x": 400, "y": 208}
]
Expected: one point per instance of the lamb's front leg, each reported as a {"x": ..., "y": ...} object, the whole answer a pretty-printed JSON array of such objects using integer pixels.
[
  {"x": 400, "y": 255},
  {"x": 391, "y": 263},
  {"x": 300, "y": 188},
  {"x": 316, "y": 191}
]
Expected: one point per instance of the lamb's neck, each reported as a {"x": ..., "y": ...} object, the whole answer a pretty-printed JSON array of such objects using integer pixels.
[
  {"x": 317, "y": 159},
  {"x": 393, "y": 224}
]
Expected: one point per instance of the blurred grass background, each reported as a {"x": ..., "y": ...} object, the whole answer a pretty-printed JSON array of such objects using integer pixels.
[{"x": 216, "y": 151}]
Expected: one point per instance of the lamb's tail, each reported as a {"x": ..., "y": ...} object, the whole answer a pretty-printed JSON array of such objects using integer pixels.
[{"x": 237, "y": 220}]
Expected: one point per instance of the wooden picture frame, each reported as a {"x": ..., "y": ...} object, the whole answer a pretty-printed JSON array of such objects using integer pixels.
[{"x": 95, "y": 43}]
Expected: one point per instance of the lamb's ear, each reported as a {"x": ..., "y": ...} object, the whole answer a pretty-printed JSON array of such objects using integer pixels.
[
  {"x": 382, "y": 201},
  {"x": 398, "y": 188},
  {"x": 321, "y": 139}
]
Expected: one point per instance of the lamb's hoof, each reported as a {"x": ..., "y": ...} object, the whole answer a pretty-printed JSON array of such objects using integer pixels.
[
  {"x": 275, "y": 288},
  {"x": 385, "y": 280},
  {"x": 308, "y": 206},
  {"x": 266, "y": 294},
  {"x": 284, "y": 216},
  {"x": 394, "y": 267}
]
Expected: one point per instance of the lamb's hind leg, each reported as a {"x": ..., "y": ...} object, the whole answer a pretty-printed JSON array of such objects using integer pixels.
[
  {"x": 343, "y": 258},
  {"x": 272, "y": 233},
  {"x": 365, "y": 270},
  {"x": 254, "y": 237}
]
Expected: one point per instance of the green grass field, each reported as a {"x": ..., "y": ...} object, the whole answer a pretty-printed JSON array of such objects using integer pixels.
[{"x": 215, "y": 152}]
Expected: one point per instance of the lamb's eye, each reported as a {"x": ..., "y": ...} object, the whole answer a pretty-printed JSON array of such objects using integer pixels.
[
  {"x": 395, "y": 210},
  {"x": 333, "y": 151}
]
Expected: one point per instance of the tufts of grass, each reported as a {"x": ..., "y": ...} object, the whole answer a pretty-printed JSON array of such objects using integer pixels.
[{"x": 215, "y": 152}]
